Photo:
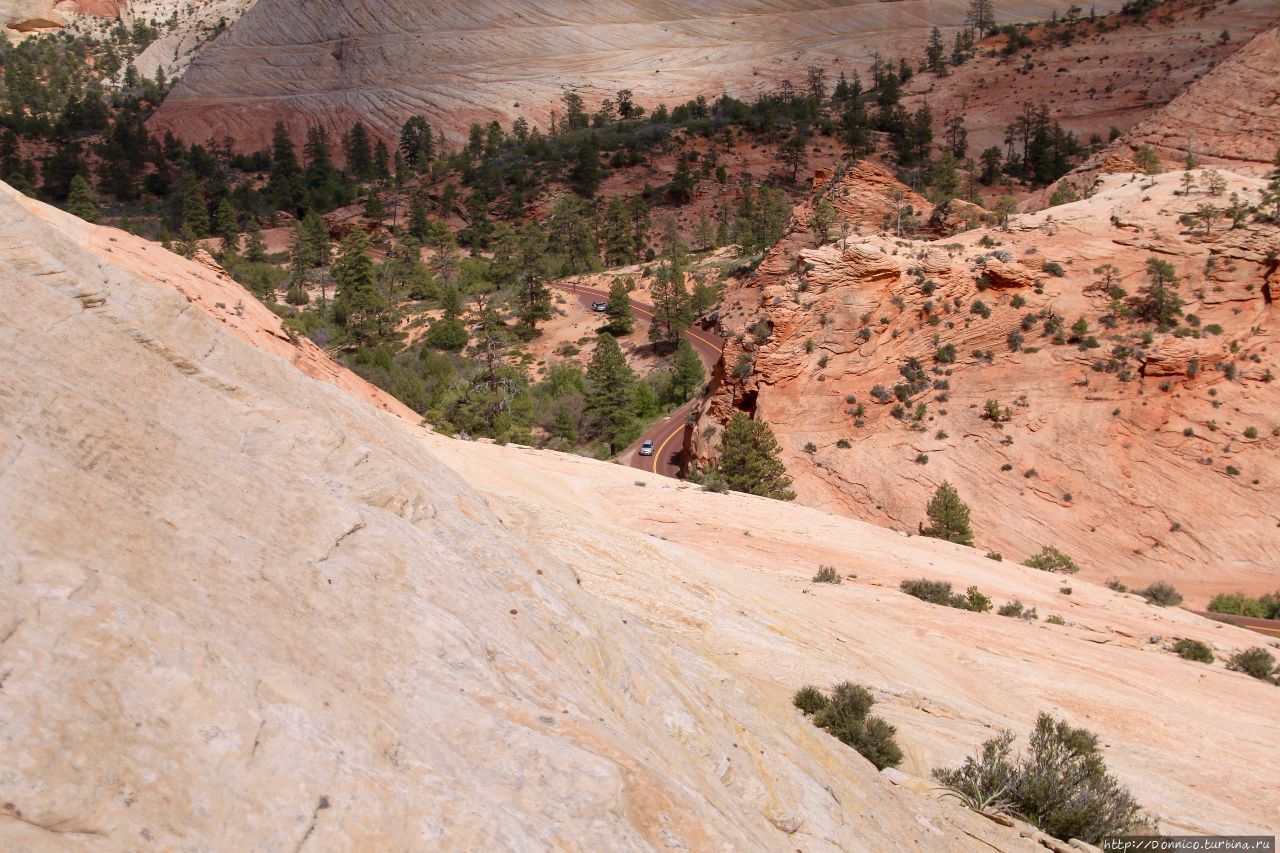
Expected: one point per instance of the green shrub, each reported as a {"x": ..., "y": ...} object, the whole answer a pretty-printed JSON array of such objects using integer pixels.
[
  {"x": 1016, "y": 610},
  {"x": 1116, "y": 585},
  {"x": 1054, "y": 269},
  {"x": 995, "y": 555},
  {"x": 809, "y": 699},
  {"x": 1257, "y": 662},
  {"x": 1055, "y": 619},
  {"x": 1161, "y": 594},
  {"x": 939, "y": 592},
  {"x": 1239, "y": 604},
  {"x": 1060, "y": 784},
  {"x": 826, "y": 574},
  {"x": 1193, "y": 650},
  {"x": 1050, "y": 559},
  {"x": 846, "y": 715}
]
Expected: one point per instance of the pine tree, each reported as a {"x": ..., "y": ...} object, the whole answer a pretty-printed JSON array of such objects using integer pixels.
[
  {"x": 357, "y": 301},
  {"x": 359, "y": 153},
  {"x": 564, "y": 428},
  {"x": 610, "y": 394},
  {"x": 284, "y": 181},
  {"x": 672, "y": 309},
  {"x": 1159, "y": 301},
  {"x": 381, "y": 162},
  {"x": 195, "y": 214},
  {"x": 981, "y": 17},
  {"x": 226, "y": 227},
  {"x": 621, "y": 321},
  {"x": 687, "y": 372},
  {"x": 749, "y": 460},
  {"x": 417, "y": 144},
  {"x": 948, "y": 517},
  {"x": 936, "y": 53},
  {"x": 255, "y": 249},
  {"x": 533, "y": 297},
  {"x": 80, "y": 202},
  {"x": 617, "y": 234},
  {"x": 314, "y": 240}
]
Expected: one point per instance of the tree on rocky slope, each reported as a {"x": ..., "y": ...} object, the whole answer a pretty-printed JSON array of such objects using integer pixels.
[
  {"x": 610, "y": 394},
  {"x": 749, "y": 460},
  {"x": 357, "y": 304},
  {"x": 948, "y": 517},
  {"x": 687, "y": 372},
  {"x": 1159, "y": 301},
  {"x": 619, "y": 307},
  {"x": 80, "y": 202}
]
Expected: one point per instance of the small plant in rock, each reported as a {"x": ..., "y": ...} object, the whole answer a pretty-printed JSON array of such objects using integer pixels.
[
  {"x": 1161, "y": 594},
  {"x": 1256, "y": 662},
  {"x": 827, "y": 574},
  {"x": 1050, "y": 559},
  {"x": 810, "y": 700},
  {"x": 846, "y": 715},
  {"x": 1055, "y": 619},
  {"x": 1060, "y": 784},
  {"x": 1193, "y": 650},
  {"x": 995, "y": 555},
  {"x": 1116, "y": 585},
  {"x": 940, "y": 592},
  {"x": 1017, "y": 610}
]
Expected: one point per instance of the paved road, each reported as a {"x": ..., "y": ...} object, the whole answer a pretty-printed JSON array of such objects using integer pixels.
[
  {"x": 1266, "y": 627},
  {"x": 668, "y": 434}
]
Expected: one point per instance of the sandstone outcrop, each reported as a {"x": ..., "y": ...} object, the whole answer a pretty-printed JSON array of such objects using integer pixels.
[
  {"x": 1230, "y": 116},
  {"x": 244, "y": 609},
  {"x": 328, "y": 62},
  {"x": 1127, "y": 452}
]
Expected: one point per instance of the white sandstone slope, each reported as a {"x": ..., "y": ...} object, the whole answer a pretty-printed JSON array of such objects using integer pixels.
[{"x": 241, "y": 608}]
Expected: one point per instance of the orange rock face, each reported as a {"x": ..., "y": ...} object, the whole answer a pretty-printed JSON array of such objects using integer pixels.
[{"x": 1145, "y": 454}]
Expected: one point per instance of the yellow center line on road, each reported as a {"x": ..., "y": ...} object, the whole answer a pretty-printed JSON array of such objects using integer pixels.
[{"x": 658, "y": 453}]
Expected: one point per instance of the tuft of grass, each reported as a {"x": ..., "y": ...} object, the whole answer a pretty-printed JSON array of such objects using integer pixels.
[
  {"x": 826, "y": 574},
  {"x": 1256, "y": 662},
  {"x": 1060, "y": 784},
  {"x": 1050, "y": 559},
  {"x": 1161, "y": 594},
  {"x": 1193, "y": 650}
]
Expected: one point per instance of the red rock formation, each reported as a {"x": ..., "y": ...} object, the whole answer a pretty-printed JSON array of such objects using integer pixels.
[{"x": 1094, "y": 459}]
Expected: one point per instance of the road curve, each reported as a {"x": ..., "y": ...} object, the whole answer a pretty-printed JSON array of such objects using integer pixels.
[
  {"x": 668, "y": 434},
  {"x": 1267, "y": 627}
]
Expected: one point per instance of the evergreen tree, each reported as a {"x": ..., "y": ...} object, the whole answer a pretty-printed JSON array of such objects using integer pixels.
[
  {"x": 564, "y": 427},
  {"x": 948, "y": 517},
  {"x": 687, "y": 372},
  {"x": 195, "y": 213},
  {"x": 936, "y": 53},
  {"x": 981, "y": 17},
  {"x": 610, "y": 394},
  {"x": 672, "y": 310},
  {"x": 533, "y": 297},
  {"x": 417, "y": 144},
  {"x": 357, "y": 302},
  {"x": 1158, "y": 301},
  {"x": 313, "y": 241},
  {"x": 794, "y": 152},
  {"x": 381, "y": 162},
  {"x": 749, "y": 460},
  {"x": 226, "y": 227},
  {"x": 621, "y": 321},
  {"x": 255, "y": 249},
  {"x": 617, "y": 235},
  {"x": 284, "y": 183},
  {"x": 80, "y": 202},
  {"x": 359, "y": 153}
]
